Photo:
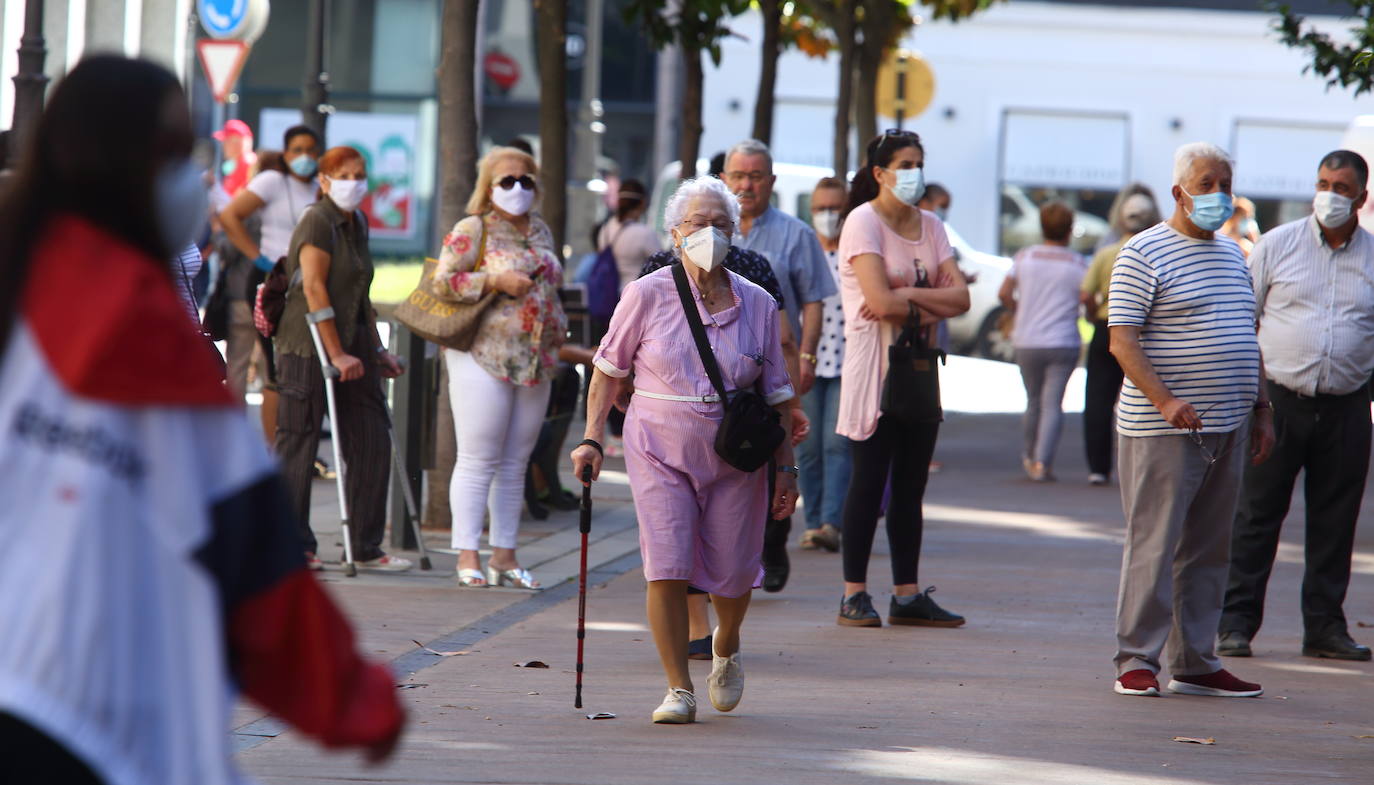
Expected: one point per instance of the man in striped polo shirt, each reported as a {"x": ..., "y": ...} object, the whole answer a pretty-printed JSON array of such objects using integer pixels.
[
  {"x": 1182, "y": 320},
  {"x": 1314, "y": 285}
]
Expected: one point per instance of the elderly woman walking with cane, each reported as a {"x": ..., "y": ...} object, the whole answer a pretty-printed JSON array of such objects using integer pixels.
[{"x": 701, "y": 519}]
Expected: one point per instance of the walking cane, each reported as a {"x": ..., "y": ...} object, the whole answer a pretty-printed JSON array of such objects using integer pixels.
[
  {"x": 330, "y": 374},
  {"x": 585, "y": 526}
]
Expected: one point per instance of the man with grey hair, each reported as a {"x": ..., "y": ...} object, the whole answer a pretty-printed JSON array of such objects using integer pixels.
[
  {"x": 1182, "y": 318},
  {"x": 790, "y": 246},
  {"x": 1316, "y": 327}
]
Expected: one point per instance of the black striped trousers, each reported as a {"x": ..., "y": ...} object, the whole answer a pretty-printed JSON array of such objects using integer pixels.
[{"x": 364, "y": 442}]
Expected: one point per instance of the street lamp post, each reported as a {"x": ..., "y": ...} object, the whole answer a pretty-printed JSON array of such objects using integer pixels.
[
  {"x": 315, "y": 91},
  {"x": 29, "y": 82}
]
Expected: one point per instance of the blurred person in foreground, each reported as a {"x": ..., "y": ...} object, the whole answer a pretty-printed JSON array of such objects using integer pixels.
[
  {"x": 1137, "y": 213},
  {"x": 330, "y": 266},
  {"x": 824, "y": 459},
  {"x": 936, "y": 199},
  {"x": 791, "y": 248},
  {"x": 1314, "y": 289},
  {"x": 1182, "y": 316},
  {"x": 499, "y": 389},
  {"x": 895, "y": 263},
  {"x": 1041, "y": 289},
  {"x": 701, "y": 520},
  {"x": 151, "y": 566}
]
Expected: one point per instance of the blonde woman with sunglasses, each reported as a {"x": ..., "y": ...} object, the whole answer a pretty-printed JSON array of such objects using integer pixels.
[{"x": 499, "y": 389}]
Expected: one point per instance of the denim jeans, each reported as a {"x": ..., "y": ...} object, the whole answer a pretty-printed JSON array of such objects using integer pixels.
[
  {"x": 1045, "y": 373},
  {"x": 824, "y": 458}
]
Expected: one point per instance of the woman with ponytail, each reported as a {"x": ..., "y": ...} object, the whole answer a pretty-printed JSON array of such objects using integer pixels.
[{"x": 895, "y": 261}]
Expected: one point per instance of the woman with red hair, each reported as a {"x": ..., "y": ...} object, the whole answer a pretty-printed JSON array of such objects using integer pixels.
[{"x": 330, "y": 268}]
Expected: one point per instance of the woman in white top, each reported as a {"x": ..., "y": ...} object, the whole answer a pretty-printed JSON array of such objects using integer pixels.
[
  {"x": 632, "y": 241},
  {"x": 282, "y": 197},
  {"x": 1042, "y": 291}
]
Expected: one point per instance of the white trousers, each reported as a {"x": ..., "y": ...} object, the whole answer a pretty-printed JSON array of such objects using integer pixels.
[{"x": 497, "y": 424}]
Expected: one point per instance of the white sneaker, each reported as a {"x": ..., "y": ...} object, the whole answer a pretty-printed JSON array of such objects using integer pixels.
[
  {"x": 679, "y": 707},
  {"x": 387, "y": 564},
  {"x": 725, "y": 685},
  {"x": 1097, "y": 479}
]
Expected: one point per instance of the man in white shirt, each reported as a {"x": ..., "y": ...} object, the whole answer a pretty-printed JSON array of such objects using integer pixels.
[
  {"x": 1314, "y": 299},
  {"x": 1181, "y": 314}
]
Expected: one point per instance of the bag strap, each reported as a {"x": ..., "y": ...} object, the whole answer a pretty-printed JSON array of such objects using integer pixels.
[
  {"x": 689, "y": 308},
  {"x": 481, "y": 245}
]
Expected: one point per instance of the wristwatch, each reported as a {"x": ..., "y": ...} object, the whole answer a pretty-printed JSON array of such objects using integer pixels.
[
  {"x": 1262, "y": 405},
  {"x": 792, "y": 470}
]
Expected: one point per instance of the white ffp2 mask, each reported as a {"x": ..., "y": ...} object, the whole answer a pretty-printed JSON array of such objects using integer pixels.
[
  {"x": 1332, "y": 209},
  {"x": 827, "y": 223},
  {"x": 514, "y": 200},
  {"x": 706, "y": 247},
  {"x": 347, "y": 194}
]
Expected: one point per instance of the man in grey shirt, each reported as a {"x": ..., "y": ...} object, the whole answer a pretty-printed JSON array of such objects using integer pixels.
[
  {"x": 792, "y": 250},
  {"x": 1314, "y": 295}
]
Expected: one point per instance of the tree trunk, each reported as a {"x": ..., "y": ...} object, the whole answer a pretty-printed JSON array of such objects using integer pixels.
[
  {"x": 457, "y": 88},
  {"x": 551, "y": 43},
  {"x": 690, "y": 142},
  {"x": 865, "y": 96},
  {"x": 845, "y": 31},
  {"x": 768, "y": 71}
]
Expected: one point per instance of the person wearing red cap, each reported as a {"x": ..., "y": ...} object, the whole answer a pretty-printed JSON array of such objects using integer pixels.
[{"x": 236, "y": 138}]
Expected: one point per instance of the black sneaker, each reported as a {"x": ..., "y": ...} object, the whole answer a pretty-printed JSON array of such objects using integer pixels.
[
  {"x": 856, "y": 610},
  {"x": 922, "y": 612}
]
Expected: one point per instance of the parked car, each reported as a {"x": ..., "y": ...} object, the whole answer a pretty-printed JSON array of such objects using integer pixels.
[
  {"x": 976, "y": 332},
  {"x": 1021, "y": 223}
]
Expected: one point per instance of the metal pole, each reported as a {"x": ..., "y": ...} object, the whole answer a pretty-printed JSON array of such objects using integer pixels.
[
  {"x": 315, "y": 89},
  {"x": 587, "y": 132},
  {"x": 29, "y": 83}
]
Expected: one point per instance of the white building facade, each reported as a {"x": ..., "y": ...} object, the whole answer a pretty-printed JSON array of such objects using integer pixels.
[{"x": 1035, "y": 100}]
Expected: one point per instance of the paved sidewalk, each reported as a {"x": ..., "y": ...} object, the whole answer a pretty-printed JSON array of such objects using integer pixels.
[{"x": 1022, "y": 694}]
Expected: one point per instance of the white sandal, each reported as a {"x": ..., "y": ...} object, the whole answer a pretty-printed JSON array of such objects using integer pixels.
[{"x": 471, "y": 579}]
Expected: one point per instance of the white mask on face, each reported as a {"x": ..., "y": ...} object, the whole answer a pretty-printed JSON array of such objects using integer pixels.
[
  {"x": 515, "y": 200},
  {"x": 827, "y": 223},
  {"x": 347, "y": 194},
  {"x": 705, "y": 247},
  {"x": 1332, "y": 209},
  {"x": 179, "y": 194}
]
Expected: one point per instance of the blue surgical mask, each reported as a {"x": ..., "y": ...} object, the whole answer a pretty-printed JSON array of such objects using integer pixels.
[
  {"x": 304, "y": 166},
  {"x": 911, "y": 184},
  {"x": 1210, "y": 211}
]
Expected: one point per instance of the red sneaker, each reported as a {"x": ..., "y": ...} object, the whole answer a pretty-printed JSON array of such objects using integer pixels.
[
  {"x": 1140, "y": 681},
  {"x": 1220, "y": 684}
]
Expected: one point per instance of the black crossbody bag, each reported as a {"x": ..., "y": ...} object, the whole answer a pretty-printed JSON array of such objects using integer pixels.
[
  {"x": 911, "y": 391},
  {"x": 751, "y": 430}
]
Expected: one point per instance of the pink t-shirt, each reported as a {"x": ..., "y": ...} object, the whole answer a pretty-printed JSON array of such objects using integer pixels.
[{"x": 866, "y": 341}]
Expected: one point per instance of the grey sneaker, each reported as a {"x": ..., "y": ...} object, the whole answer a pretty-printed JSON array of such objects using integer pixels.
[{"x": 725, "y": 685}]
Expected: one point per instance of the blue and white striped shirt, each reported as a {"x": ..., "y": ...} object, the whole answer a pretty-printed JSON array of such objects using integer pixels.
[{"x": 1195, "y": 308}]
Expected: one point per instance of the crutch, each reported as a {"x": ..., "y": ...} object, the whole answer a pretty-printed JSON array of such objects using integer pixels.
[
  {"x": 585, "y": 526},
  {"x": 411, "y": 508},
  {"x": 330, "y": 374}
]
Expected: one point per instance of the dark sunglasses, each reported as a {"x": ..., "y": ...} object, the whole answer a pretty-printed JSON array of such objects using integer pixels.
[
  {"x": 508, "y": 182},
  {"x": 898, "y": 133}
]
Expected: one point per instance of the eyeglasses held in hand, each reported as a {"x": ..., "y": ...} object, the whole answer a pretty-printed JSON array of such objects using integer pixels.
[
  {"x": 1207, "y": 455},
  {"x": 508, "y": 182}
]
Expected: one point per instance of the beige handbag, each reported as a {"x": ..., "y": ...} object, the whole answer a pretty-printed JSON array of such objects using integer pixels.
[{"x": 453, "y": 325}]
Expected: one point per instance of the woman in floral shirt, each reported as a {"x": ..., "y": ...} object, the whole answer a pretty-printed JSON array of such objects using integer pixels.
[{"x": 499, "y": 389}]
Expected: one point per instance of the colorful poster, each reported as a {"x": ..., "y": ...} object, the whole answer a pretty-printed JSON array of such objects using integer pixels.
[{"x": 387, "y": 142}]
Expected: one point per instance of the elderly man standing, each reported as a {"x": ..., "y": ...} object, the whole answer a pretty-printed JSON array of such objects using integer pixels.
[
  {"x": 1181, "y": 314},
  {"x": 790, "y": 246},
  {"x": 1315, "y": 304}
]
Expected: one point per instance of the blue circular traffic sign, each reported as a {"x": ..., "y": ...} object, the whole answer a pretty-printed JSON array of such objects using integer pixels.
[{"x": 242, "y": 20}]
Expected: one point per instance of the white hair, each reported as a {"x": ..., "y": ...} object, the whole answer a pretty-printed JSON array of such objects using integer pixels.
[
  {"x": 696, "y": 188},
  {"x": 750, "y": 147},
  {"x": 1198, "y": 151}
]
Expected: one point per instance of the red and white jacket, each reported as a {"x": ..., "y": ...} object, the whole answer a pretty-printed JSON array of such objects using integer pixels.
[{"x": 148, "y": 565}]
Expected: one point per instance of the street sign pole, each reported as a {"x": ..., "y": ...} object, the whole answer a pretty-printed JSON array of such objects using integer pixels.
[{"x": 29, "y": 83}]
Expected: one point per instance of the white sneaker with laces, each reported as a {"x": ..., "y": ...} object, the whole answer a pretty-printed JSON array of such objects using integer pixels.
[
  {"x": 679, "y": 707},
  {"x": 725, "y": 685}
]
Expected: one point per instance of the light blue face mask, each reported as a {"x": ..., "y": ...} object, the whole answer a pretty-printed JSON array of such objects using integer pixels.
[
  {"x": 227, "y": 168},
  {"x": 304, "y": 166},
  {"x": 1210, "y": 211},
  {"x": 911, "y": 184}
]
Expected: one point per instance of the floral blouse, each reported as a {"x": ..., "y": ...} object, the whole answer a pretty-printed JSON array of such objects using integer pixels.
[{"x": 519, "y": 337}]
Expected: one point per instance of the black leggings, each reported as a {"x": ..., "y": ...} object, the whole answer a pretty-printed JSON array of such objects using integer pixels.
[{"x": 903, "y": 452}]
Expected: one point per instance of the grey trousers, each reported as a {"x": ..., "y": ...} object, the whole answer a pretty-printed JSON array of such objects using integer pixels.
[
  {"x": 1045, "y": 372},
  {"x": 1179, "y": 509}
]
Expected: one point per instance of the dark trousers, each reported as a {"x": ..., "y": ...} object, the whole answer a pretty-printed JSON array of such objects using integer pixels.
[
  {"x": 29, "y": 756},
  {"x": 364, "y": 442},
  {"x": 1099, "y": 401},
  {"x": 1329, "y": 437},
  {"x": 904, "y": 452}
]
